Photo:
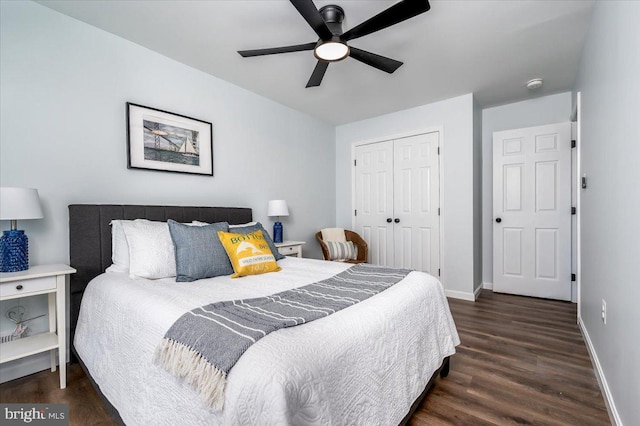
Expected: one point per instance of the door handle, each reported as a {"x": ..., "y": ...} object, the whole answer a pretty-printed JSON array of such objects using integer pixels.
[
  {"x": 498, "y": 220},
  {"x": 388, "y": 220},
  {"x": 396, "y": 220}
]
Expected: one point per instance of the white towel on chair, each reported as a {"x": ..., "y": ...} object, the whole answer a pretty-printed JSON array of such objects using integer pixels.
[{"x": 334, "y": 234}]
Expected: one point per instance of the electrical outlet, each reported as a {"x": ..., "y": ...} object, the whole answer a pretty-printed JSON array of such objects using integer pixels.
[{"x": 604, "y": 312}]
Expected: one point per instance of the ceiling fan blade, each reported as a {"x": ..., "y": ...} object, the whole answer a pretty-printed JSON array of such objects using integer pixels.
[
  {"x": 310, "y": 14},
  {"x": 381, "y": 62},
  {"x": 397, "y": 13},
  {"x": 274, "y": 50},
  {"x": 318, "y": 73}
]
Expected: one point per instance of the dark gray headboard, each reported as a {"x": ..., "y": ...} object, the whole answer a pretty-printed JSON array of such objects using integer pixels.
[{"x": 90, "y": 236}]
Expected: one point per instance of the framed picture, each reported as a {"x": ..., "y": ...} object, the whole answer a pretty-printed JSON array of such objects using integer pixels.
[{"x": 161, "y": 140}]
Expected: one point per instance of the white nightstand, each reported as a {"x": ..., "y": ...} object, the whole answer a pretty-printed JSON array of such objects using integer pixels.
[
  {"x": 43, "y": 279},
  {"x": 290, "y": 248}
]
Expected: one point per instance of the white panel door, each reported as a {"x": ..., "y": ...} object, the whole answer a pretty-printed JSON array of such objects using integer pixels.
[
  {"x": 416, "y": 203},
  {"x": 532, "y": 211},
  {"x": 374, "y": 200}
]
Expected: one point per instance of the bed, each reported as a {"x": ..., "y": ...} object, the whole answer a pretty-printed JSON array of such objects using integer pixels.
[{"x": 367, "y": 364}]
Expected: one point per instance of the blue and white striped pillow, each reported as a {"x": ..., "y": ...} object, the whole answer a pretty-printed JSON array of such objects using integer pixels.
[{"x": 342, "y": 251}]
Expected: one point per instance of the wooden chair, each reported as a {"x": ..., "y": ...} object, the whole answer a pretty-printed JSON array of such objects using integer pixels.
[{"x": 363, "y": 247}]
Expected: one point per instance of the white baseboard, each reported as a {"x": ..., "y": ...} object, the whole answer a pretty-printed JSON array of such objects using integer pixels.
[
  {"x": 463, "y": 295},
  {"x": 487, "y": 286},
  {"x": 602, "y": 381},
  {"x": 476, "y": 292}
]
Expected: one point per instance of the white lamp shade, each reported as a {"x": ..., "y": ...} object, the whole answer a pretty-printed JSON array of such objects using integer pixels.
[
  {"x": 19, "y": 203},
  {"x": 277, "y": 208}
]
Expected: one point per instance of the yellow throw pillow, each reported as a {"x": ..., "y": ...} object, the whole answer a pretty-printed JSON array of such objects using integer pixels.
[{"x": 249, "y": 253}]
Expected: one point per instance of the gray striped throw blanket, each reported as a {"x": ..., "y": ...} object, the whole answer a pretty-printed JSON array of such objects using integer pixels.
[{"x": 203, "y": 344}]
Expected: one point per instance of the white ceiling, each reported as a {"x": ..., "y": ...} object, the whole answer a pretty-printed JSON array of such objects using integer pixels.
[{"x": 490, "y": 48}]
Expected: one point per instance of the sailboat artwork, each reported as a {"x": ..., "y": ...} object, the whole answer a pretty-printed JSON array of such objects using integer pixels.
[
  {"x": 170, "y": 144},
  {"x": 187, "y": 148}
]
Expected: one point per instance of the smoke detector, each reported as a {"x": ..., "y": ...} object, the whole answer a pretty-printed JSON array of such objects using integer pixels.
[{"x": 534, "y": 84}]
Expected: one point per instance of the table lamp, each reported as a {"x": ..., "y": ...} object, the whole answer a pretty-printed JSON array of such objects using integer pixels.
[
  {"x": 17, "y": 203},
  {"x": 277, "y": 208}
]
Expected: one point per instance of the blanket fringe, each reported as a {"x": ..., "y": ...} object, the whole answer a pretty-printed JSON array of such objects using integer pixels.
[{"x": 182, "y": 361}]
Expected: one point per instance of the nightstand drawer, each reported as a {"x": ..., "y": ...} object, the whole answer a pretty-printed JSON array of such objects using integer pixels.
[
  {"x": 289, "y": 250},
  {"x": 16, "y": 288}
]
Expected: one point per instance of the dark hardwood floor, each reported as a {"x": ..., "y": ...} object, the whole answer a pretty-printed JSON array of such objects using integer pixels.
[
  {"x": 521, "y": 361},
  {"x": 85, "y": 406}
]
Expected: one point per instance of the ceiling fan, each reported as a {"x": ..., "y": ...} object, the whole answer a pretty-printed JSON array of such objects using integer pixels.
[{"x": 332, "y": 45}]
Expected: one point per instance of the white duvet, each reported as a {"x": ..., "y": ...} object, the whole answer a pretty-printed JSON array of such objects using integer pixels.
[{"x": 363, "y": 365}]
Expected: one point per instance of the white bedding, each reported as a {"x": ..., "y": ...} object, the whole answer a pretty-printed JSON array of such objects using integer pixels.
[{"x": 363, "y": 365}]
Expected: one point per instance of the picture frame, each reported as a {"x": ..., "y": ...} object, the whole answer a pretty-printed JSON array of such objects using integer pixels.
[{"x": 169, "y": 142}]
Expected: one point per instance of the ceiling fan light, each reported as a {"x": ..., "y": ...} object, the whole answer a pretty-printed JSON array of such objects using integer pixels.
[
  {"x": 331, "y": 51},
  {"x": 534, "y": 84}
]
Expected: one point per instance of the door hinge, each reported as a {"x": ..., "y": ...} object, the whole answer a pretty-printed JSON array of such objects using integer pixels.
[
  {"x": 438, "y": 271},
  {"x": 354, "y": 163},
  {"x": 438, "y": 150},
  {"x": 573, "y": 143},
  {"x": 573, "y": 277},
  {"x": 355, "y": 212},
  {"x": 573, "y": 210},
  {"x": 438, "y": 211}
]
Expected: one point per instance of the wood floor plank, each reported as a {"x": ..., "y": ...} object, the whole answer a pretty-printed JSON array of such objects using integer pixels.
[
  {"x": 527, "y": 363},
  {"x": 85, "y": 407},
  {"x": 521, "y": 361}
]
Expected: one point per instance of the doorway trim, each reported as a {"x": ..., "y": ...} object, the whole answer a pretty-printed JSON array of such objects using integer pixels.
[
  {"x": 577, "y": 117},
  {"x": 440, "y": 130}
]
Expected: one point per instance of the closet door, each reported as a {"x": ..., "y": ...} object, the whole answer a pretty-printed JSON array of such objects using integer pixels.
[
  {"x": 374, "y": 200},
  {"x": 416, "y": 203}
]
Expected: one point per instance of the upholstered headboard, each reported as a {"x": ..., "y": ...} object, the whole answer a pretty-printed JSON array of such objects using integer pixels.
[{"x": 90, "y": 237}]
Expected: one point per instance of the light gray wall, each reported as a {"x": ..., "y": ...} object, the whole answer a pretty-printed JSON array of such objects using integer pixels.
[
  {"x": 534, "y": 112},
  {"x": 63, "y": 89},
  {"x": 610, "y": 231},
  {"x": 455, "y": 117}
]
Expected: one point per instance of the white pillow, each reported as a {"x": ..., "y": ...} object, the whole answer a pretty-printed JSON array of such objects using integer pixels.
[
  {"x": 117, "y": 269},
  {"x": 151, "y": 252},
  {"x": 119, "y": 247}
]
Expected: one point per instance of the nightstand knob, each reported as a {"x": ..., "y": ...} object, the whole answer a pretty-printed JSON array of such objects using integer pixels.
[{"x": 19, "y": 287}]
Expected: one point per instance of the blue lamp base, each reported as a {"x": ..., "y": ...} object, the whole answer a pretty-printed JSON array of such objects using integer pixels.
[
  {"x": 277, "y": 232},
  {"x": 14, "y": 251}
]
